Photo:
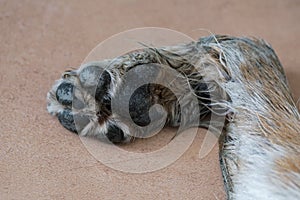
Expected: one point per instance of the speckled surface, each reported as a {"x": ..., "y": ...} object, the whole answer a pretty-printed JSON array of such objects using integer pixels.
[{"x": 39, "y": 159}]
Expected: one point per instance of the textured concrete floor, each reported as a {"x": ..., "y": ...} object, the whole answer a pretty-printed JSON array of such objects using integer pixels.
[{"x": 41, "y": 160}]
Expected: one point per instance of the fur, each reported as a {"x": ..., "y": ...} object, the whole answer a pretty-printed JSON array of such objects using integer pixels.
[{"x": 260, "y": 143}]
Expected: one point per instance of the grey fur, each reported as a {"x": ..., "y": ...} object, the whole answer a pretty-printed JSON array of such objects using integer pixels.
[{"x": 242, "y": 80}]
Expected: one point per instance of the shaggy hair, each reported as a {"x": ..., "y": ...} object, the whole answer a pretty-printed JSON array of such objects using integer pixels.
[{"x": 241, "y": 77}]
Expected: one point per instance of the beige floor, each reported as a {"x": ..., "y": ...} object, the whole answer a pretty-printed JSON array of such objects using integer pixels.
[{"x": 39, "y": 39}]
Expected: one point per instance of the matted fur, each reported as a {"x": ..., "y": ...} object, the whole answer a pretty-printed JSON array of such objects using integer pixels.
[{"x": 260, "y": 143}]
